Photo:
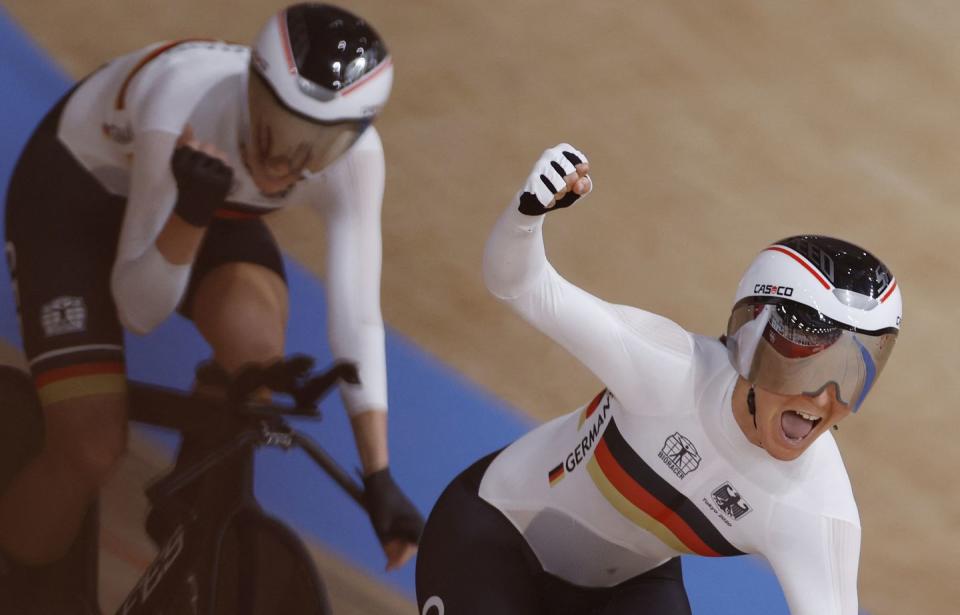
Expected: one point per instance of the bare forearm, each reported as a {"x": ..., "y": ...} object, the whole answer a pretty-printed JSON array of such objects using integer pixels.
[
  {"x": 179, "y": 241},
  {"x": 370, "y": 433}
]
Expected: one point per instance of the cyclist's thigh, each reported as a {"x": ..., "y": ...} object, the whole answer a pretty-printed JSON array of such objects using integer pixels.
[
  {"x": 241, "y": 241},
  {"x": 62, "y": 231},
  {"x": 237, "y": 295},
  {"x": 658, "y": 592},
  {"x": 472, "y": 561}
]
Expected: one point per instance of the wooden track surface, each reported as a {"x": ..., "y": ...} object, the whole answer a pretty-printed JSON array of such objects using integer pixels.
[{"x": 713, "y": 129}]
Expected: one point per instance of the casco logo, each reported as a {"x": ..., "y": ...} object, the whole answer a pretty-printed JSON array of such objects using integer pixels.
[{"x": 770, "y": 289}]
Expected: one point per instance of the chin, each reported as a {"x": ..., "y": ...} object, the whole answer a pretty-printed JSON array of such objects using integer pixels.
[{"x": 782, "y": 454}]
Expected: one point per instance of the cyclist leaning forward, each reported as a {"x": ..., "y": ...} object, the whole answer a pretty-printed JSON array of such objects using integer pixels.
[
  {"x": 141, "y": 193},
  {"x": 696, "y": 446}
]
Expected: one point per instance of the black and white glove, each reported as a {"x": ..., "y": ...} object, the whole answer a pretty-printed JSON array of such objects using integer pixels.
[
  {"x": 203, "y": 182},
  {"x": 392, "y": 514},
  {"x": 546, "y": 182}
]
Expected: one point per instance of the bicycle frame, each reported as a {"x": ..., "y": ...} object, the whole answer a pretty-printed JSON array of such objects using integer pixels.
[{"x": 184, "y": 577}]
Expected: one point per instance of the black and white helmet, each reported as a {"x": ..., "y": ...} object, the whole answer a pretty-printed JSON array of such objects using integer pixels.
[
  {"x": 811, "y": 312},
  {"x": 319, "y": 75}
]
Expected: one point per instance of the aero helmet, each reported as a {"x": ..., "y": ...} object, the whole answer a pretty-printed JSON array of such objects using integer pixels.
[
  {"x": 318, "y": 77},
  {"x": 811, "y": 312}
]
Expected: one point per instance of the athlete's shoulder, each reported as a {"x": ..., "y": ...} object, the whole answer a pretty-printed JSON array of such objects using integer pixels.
[
  {"x": 186, "y": 61},
  {"x": 711, "y": 352}
]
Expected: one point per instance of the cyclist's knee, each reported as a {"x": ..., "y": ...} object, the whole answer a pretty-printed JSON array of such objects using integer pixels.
[
  {"x": 248, "y": 337},
  {"x": 241, "y": 309},
  {"x": 87, "y": 435}
]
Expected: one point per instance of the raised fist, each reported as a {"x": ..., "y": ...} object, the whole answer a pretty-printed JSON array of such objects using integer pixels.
[
  {"x": 557, "y": 180},
  {"x": 203, "y": 179}
]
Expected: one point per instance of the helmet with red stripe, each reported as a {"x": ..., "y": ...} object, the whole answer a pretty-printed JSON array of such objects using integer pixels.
[
  {"x": 318, "y": 77},
  {"x": 813, "y": 312}
]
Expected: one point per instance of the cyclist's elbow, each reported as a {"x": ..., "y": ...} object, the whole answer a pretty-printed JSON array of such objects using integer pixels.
[
  {"x": 137, "y": 310},
  {"x": 134, "y": 321}
]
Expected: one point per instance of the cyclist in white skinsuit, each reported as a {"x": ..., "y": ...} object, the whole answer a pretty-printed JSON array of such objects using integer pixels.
[
  {"x": 141, "y": 194},
  {"x": 695, "y": 447}
]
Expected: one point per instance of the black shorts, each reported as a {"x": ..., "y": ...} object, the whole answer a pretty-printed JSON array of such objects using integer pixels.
[
  {"x": 473, "y": 561},
  {"x": 62, "y": 231}
]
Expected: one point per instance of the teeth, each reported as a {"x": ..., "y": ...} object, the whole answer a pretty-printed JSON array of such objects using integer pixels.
[{"x": 807, "y": 416}]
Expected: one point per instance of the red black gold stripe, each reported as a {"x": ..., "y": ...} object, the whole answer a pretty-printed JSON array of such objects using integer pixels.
[
  {"x": 590, "y": 409},
  {"x": 556, "y": 474},
  {"x": 641, "y": 495},
  {"x": 80, "y": 380}
]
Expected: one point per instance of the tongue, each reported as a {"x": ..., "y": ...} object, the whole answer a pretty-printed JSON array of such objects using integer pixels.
[{"x": 794, "y": 425}]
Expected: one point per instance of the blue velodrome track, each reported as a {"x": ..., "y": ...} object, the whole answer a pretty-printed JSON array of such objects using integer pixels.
[{"x": 439, "y": 423}]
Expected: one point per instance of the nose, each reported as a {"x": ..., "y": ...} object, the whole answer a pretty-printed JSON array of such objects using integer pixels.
[{"x": 828, "y": 397}]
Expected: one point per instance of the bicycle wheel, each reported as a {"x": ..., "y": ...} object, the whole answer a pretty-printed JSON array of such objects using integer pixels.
[{"x": 264, "y": 569}]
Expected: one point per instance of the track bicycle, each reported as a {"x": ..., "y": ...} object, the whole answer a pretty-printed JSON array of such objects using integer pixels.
[{"x": 218, "y": 551}]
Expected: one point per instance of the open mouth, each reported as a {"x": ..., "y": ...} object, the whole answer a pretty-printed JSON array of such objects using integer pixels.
[{"x": 797, "y": 424}]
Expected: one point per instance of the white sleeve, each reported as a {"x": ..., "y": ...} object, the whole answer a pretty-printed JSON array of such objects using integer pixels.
[
  {"x": 640, "y": 356},
  {"x": 350, "y": 198},
  {"x": 146, "y": 287},
  {"x": 816, "y": 559}
]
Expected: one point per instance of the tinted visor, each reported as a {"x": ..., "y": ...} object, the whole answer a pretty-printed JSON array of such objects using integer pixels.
[
  {"x": 791, "y": 349},
  {"x": 288, "y": 143}
]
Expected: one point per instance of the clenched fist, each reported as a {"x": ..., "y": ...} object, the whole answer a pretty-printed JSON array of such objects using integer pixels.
[{"x": 557, "y": 180}]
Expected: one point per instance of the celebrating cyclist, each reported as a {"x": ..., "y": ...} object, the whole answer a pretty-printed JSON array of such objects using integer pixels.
[
  {"x": 696, "y": 445},
  {"x": 142, "y": 193}
]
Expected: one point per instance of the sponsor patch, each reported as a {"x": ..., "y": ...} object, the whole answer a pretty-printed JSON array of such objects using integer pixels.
[
  {"x": 730, "y": 501},
  {"x": 680, "y": 455},
  {"x": 63, "y": 315}
]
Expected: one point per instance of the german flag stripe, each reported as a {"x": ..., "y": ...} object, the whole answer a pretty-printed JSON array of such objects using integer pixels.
[
  {"x": 556, "y": 474},
  {"x": 78, "y": 370},
  {"x": 590, "y": 409},
  {"x": 82, "y": 386},
  {"x": 629, "y": 510},
  {"x": 637, "y": 488},
  {"x": 80, "y": 381}
]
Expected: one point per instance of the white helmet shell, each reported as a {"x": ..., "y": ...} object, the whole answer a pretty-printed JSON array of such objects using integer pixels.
[
  {"x": 324, "y": 64},
  {"x": 838, "y": 279}
]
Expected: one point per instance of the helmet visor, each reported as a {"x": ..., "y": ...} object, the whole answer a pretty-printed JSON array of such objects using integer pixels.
[
  {"x": 791, "y": 349},
  {"x": 287, "y": 143}
]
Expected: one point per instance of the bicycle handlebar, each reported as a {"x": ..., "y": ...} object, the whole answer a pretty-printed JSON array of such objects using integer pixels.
[
  {"x": 331, "y": 467},
  {"x": 185, "y": 412}
]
